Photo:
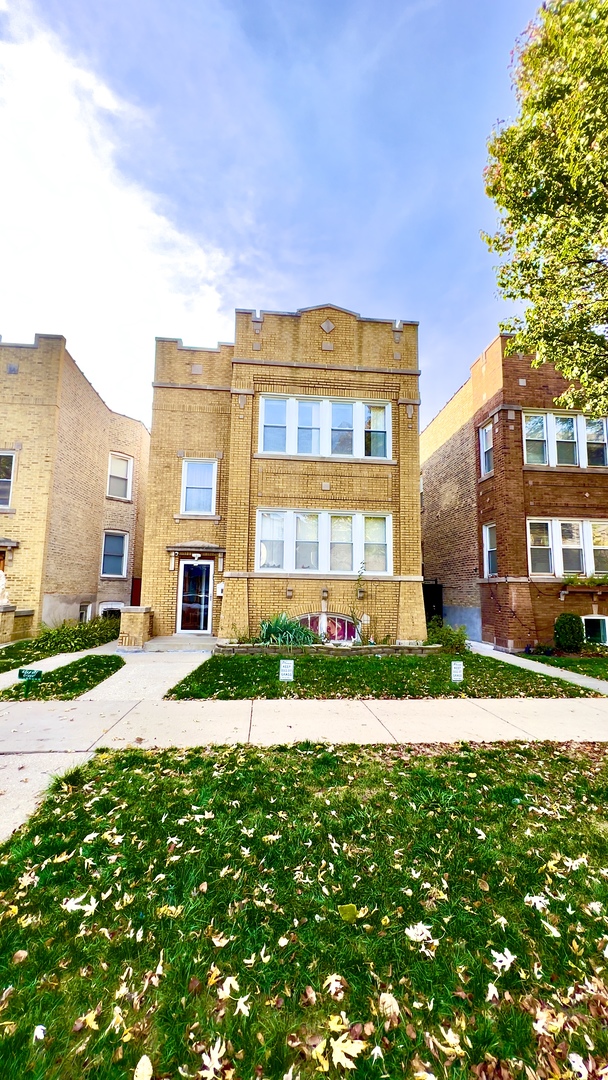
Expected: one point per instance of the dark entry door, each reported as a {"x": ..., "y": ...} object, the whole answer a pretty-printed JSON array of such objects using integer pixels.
[{"x": 195, "y": 599}]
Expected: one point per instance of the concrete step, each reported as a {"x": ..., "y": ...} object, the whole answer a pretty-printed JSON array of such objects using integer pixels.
[{"x": 181, "y": 643}]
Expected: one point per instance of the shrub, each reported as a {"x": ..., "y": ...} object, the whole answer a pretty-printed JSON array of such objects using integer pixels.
[
  {"x": 71, "y": 637},
  {"x": 454, "y": 640},
  {"x": 281, "y": 630},
  {"x": 569, "y": 632}
]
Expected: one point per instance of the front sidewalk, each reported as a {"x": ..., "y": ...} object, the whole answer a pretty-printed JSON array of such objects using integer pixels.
[{"x": 41, "y": 738}]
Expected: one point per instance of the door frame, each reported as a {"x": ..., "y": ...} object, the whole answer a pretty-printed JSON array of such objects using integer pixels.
[{"x": 180, "y": 595}]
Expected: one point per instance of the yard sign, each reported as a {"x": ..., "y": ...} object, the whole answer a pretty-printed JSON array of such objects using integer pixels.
[
  {"x": 457, "y": 670},
  {"x": 286, "y": 670}
]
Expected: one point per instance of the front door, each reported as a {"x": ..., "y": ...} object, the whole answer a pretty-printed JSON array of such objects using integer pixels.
[{"x": 194, "y": 597}]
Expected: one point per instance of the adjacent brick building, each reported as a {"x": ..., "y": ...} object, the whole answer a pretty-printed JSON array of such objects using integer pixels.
[
  {"x": 515, "y": 517},
  {"x": 284, "y": 476},
  {"x": 72, "y": 489}
]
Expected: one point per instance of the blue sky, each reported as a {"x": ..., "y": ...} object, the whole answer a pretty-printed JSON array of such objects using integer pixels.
[{"x": 173, "y": 161}]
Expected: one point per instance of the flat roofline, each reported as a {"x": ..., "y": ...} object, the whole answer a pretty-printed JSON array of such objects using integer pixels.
[
  {"x": 323, "y": 307},
  {"x": 30, "y": 345}
]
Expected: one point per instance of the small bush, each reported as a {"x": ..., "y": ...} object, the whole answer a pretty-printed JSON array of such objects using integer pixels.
[
  {"x": 439, "y": 633},
  {"x": 281, "y": 630},
  {"x": 569, "y": 632}
]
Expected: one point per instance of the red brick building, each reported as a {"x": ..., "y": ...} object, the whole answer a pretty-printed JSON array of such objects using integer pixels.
[{"x": 515, "y": 505}]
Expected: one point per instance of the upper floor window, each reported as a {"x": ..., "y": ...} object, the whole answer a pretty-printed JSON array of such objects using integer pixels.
[
  {"x": 299, "y": 540},
  {"x": 486, "y": 442},
  {"x": 536, "y": 439},
  {"x": 199, "y": 479},
  {"x": 120, "y": 475},
  {"x": 114, "y": 557},
  {"x": 596, "y": 442},
  {"x": 490, "y": 561},
  {"x": 565, "y": 439},
  {"x": 7, "y": 468},
  {"x": 560, "y": 547},
  {"x": 321, "y": 427}
]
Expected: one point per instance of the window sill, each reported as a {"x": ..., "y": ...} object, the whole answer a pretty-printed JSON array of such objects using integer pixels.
[
  {"x": 117, "y": 498},
  {"x": 197, "y": 517},
  {"x": 333, "y": 458},
  {"x": 351, "y": 575},
  {"x": 486, "y": 476},
  {"x": 114, "y": 577},
  {"x": 7, "y": 510},
  {"x": 589, "y": 469}
]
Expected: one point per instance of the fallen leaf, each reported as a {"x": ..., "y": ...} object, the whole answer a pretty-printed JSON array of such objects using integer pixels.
[
  {"x": 143, "y": 1069},
  {"x": 483, "y": 885},
  {"x": 345, "y": 1049},
  {"x": 195, "y": 985},
  {"x": 20, "y": 956},
  {"x": 348, "y": 912}
]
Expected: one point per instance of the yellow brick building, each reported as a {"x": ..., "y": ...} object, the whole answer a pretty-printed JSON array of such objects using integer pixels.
[
  {"x": 284, "y": 476},
  {"x": 72, "y": 489}
]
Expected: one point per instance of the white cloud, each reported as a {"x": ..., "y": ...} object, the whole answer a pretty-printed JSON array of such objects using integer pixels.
[{"x": 85, "y": 252}]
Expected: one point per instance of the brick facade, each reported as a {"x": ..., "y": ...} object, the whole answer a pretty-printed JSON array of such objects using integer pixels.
[
  {"x": 207, "y": 406},
  {"x": 512, "y": 607},
  {"x": 60, "y": 434}
]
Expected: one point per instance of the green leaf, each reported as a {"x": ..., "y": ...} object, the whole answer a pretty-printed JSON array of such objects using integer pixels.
[{"x": 348, "y": 912}]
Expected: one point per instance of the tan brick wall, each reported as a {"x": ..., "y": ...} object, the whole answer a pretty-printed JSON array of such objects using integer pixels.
[
  {"x": 218, "y": 415},
  {"x": 62, "y": 432}
]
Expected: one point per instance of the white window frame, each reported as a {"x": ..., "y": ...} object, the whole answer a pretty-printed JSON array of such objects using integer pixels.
[
  {"x": 555, "y": 546},
  {"x": 584, "y": 452},
  {"x": 324, "y": 535},
  {"x": 182, "y": 503},
  {"x": 125, "y": 554},
  {"x": 548, "y": 441},
  {"x": 12, "y": 454},
  {"x": 111, "y": 605},
  {"x": 129, "y": 460},
  {"x": 325, "y": 404},
  {"x": 487, "y": 549},
  {"x": 483, "y": 449}
]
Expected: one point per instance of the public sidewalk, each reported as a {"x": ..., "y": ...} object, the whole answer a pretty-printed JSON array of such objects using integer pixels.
[{"x": 41, "y": 738}]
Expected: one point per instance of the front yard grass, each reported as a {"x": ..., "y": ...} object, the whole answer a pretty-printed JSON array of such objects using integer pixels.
[
  {"x": 594, "y": 666},
  {"x": 347, "y": 676},
  {"x": 69, "y": 637},
  {"x": 65, "y": 682},
  {"x": 246, "y": 913}
]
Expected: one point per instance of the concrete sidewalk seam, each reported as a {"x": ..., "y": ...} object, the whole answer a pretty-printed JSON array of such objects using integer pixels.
[
  {"x": 378, "y": 720},
  {"x": 509, "y": 723},
  {"x": 89, "y": 749},
  {"x": 250, "y": 721}
]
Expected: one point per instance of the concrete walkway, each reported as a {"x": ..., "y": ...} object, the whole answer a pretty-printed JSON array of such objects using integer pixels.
[
  {"x": 41, "y": 738},
  {"x": 600, "y": 686},
  {"x": 146, "y": 676},
  {"x": 7, "y": 678}
]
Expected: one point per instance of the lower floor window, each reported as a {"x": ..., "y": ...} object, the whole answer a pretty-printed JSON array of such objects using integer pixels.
[
  {"x": 114, "y": 559},
  {"x": 84, "y": 613},
  {"x": 321, "y": 541},
  {"x": 560, "y": 548},
  {"x": 330, "y": 627},
  {"x": 489, "y": 550}
]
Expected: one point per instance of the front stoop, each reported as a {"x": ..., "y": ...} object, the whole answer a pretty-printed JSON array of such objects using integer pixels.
[{"x": 181, "y": 643}]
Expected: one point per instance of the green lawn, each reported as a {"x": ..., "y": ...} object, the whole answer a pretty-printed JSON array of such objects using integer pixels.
[
  {"x": 595, "y": 666},
  {"x": 70, "y": 637},
  {"x": 248, "y": 913},
  {"x": 65, "y": 682},
  {"x": 365, "y": 676}
]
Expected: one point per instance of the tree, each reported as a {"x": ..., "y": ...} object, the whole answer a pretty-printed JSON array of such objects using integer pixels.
[{"x": 548, "y": 175}]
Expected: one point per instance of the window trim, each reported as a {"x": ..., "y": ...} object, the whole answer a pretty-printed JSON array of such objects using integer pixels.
[
  {"x": 325, "y": 422},
  {"x": 182, "y": 502},
  {"x": 585, "y": 441},
  {"x": 125, "y": 554},
  {"x": 487, "y": 549},
  {"x": 124, "y": 457},
  {"x": 580, "y": 432},
  {"x": 555, "y": 547},
  {"x": 324, "y": 541},
  {"x": 484, "y": 450},
  {"x": 13, "y": 455}
]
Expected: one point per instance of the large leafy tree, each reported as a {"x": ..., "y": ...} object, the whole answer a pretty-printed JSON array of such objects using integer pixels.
[{"x": 548, "y": 175}]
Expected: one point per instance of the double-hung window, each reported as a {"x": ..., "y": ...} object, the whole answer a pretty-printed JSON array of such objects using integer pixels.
[
  {"x": 7, "y": 468},
  {"x": 597, "y": 453},
  {"x": 307, "y": 542},
  {"x": 572, "y": 547},
  {"x": 535, "y": 425},
  {"x": 301, "y": 541},
  {"x": 486, "y": 444},
  {"x": 490, "y": 561},
  {"x": 325, "y": 427},
  {"x": 375, "y": 431},
  {"x": 120, "y": 474},
  {"x": 599, "y": 536},
  {"x": 565, "y": 440},
  {"x": 539, "y": 541},
  {"x": 199, "y": 480},
  {"x": 271, "y": 531},
  {"x": 114, "y": 557}
]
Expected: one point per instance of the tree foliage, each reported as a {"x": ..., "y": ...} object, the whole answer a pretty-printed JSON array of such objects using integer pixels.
[{"x": 548, "y": 175}]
